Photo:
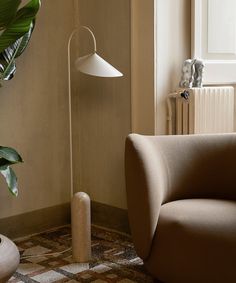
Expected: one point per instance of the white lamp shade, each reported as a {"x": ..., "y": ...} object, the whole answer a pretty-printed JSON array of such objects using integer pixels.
[{"x": 95, "y": 65}]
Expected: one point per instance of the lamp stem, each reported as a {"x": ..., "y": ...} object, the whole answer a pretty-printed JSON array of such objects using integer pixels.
[
  {"x": 80, "y": 202},
  {"x": 70, "y": 113},
  {"x": 69, "y": 98}
]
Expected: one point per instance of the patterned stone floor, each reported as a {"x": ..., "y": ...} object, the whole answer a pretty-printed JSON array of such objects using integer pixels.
[{"x": 113, "y": 259}]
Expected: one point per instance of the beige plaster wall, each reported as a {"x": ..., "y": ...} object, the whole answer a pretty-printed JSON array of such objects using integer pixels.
[
  {"x": 103, "y": 113},
  {"x": 143, "y": 66},
  {"x": 173, "y": 47},
  {"x": 34, "y": 116},
  {"x": 102, "y": 108},
  {"x": 34, "y": 109},
  {"x": 155, "y": 73}
]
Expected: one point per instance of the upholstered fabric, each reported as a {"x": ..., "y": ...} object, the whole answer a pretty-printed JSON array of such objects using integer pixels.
[
  {"x": 163, "y": 169},
  {"x": 195, "y": 242},
  {"x": 144, "y": 199}
]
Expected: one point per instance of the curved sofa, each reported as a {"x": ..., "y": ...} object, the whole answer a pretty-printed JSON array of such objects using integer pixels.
[{"x": 181, "y": 193}]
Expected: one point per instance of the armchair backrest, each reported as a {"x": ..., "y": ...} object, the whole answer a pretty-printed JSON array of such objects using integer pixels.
[{"x": 198, "y": 166}]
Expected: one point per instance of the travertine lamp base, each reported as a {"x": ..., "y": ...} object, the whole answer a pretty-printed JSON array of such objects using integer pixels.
[
  {"x": 9, "y": 258},
  {"x": 81, "y": 227}
]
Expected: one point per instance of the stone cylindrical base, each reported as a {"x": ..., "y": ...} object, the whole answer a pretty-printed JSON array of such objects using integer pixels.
[
  {"x": 9, "y": 258},
  {"x": 81, "y": 227}
]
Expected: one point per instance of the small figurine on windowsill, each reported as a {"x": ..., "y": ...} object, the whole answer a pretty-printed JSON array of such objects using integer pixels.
[
  {"x": 192, "y": 72},
  {"x": 187, "y": 74},
  {"x": 198, "y": 73}
]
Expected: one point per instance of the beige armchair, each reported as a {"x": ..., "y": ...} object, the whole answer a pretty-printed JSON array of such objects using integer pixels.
[{"x": 181, "y": 193}]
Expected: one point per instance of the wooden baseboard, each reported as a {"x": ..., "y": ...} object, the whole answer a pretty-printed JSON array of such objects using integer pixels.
[
  {"x": 110, "y": 217},
  {"x": 35, "y": 221},
  {"x": 48, "y": 218}
]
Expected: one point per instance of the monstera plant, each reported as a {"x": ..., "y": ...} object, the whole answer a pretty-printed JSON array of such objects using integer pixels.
[
  {"x": 9, "y": 254},
  {"x": 17, "y": 21}
]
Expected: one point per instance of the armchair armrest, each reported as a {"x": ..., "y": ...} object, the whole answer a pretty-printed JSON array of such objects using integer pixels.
[{"x": 145, "y": 186}]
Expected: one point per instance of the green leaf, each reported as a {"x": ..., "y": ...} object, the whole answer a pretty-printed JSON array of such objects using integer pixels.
[
  {"x": 20, "y": 25},
  {"x": 7, "y": 62},
  {"x": 10, "y": 154},
  {"x": 7, "y": 70},
  {"x": 29, "y": 11},
  {"x": 8, "y": 9},
  {"x": 10, "y": 178},
  {"x": 10, "y": 71},
  {"x": 4, "y": 163},
  {"x": 24, "y": 41}
]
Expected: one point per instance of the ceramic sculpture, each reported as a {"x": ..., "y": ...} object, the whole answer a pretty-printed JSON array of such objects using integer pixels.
[
  {"x": 192, "y": 73},
  {"x": 187, "y": 74},
  {"x": 198, "y": 73}
]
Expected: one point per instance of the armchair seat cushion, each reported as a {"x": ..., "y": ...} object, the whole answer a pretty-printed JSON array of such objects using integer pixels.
[{"x": 195, "y": 241}]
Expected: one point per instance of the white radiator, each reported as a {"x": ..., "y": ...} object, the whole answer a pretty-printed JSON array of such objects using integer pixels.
[{"x": 207, "y": 110}]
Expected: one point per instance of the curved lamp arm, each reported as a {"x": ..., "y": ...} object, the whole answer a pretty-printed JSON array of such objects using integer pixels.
[
  {"x": 78, "y": 30},
  {"x": 93, "y": 36}
]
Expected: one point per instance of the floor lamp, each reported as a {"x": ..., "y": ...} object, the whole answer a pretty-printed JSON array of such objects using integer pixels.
[{"x": 93, "y": 65}]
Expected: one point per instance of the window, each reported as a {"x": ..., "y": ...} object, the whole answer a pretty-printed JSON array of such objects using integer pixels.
[{"x": 214, "y": 39}]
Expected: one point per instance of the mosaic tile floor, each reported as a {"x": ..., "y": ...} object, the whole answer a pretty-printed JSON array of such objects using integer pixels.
[{"x": 113, "y": 259}]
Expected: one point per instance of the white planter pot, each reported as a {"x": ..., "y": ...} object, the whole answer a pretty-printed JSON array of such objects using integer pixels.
[{"x": 9, "y": 258}]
